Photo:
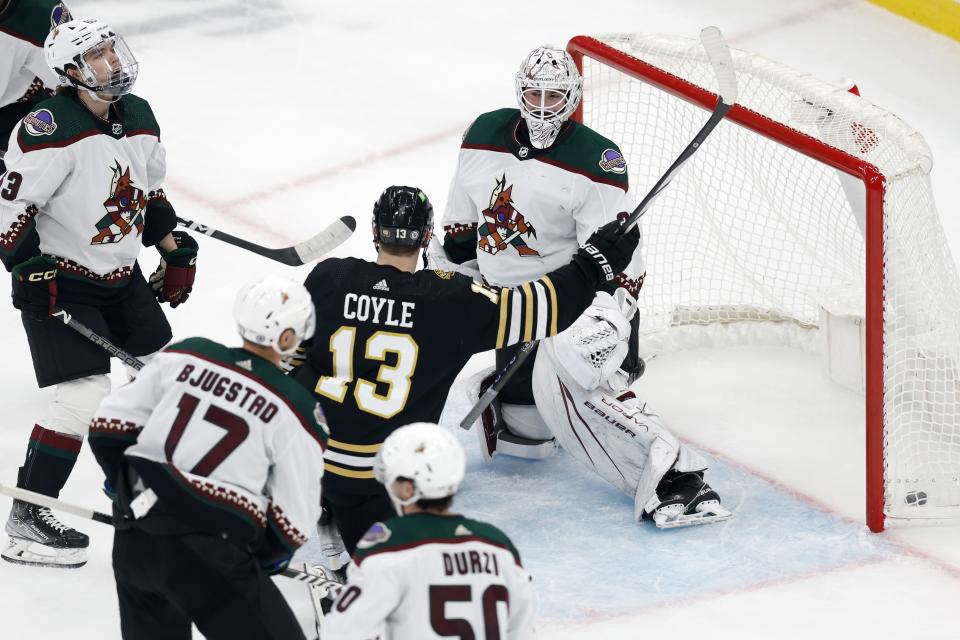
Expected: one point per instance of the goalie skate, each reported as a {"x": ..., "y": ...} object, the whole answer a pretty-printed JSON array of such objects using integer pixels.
[
  {"x": 683, "y": 500},
  {"x": 37, "y": 538}
]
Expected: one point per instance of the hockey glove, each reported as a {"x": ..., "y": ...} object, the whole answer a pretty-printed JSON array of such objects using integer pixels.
[
  {"x": 173, "y": 280},
  {"x": 609, "y": 252},
  {"x": 35, "y": 287}
]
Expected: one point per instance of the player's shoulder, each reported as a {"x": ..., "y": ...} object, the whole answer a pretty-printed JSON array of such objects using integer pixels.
[
  {"x": 202, "y": 348},
  {"x": 32, "y": 20},
  {"x": 587, "y": 152},
  {"x": 138, "y": 116},
  {"x": 57, "y": 121},
  {"x": 488, "y": 129},
  {"x": 405, "y": 533},
  {"x": 334, "y": 272}
]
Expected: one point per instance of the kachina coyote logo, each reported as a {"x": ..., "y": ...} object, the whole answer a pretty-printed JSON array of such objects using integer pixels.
[
  {"x": 503, "y": 224},
  {"x": 124, "y": 207}
]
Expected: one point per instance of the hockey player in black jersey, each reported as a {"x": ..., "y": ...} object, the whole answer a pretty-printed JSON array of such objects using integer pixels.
[{"x": 390, "y": 340}]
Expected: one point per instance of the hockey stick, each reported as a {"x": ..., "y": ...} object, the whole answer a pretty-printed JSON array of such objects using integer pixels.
[
  {"x": 720, "y": 58},
  {"x": 42, "y": 500},
  {"x": 295, "y": 256},
  {"x": 96, "y": 338}
]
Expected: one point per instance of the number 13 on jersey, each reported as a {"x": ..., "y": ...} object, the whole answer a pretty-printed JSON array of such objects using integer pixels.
[{"x": 396, "y": 377}]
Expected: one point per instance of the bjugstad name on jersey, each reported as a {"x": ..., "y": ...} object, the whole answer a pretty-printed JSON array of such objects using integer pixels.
[
  {"x": 380, "y": 310},
  {"x": 222, "y": 386}
]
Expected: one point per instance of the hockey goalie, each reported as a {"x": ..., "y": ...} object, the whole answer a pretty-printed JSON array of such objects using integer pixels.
[{"x": 584, "y": 405}]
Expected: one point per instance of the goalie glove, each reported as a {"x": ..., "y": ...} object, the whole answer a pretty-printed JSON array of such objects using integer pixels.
[
  {"x": 608, "y": 251},
  {"x": 35, "y": 287},
  {"x": 591, "y": 350},
  {"x": 173, "y": 280}
]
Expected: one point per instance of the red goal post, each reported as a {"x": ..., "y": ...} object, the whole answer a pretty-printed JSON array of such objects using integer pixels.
[{"x": 777, "y": 222}]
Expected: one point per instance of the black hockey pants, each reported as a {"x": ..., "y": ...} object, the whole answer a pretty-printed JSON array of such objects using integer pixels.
[{"x": 165, "y": 582}]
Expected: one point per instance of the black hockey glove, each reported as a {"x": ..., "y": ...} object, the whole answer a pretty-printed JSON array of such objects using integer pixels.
[
  {"x": 173, "y": 280},
  {"x": 35, "y": 287},
  {"x": 608, "y": 252}
]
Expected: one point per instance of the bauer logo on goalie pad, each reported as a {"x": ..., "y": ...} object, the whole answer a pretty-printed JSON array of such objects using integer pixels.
[
  {"x": 39, "y": 123},
  {"x": 375, "y": 535},
  {"x": 612, "y": 161}
]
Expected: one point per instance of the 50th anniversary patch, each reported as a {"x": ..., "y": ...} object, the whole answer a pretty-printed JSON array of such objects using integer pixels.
[{"x": 39, "y": 123}]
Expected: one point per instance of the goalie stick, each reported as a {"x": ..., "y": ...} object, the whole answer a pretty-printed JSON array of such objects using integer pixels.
[
  {"x": 322, "y": 578},
  {"x": 718, "y": 53},
  {"x": 295, "y": 256}
]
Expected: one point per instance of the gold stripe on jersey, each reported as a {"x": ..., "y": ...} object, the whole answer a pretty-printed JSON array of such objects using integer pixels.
[
  {"x": 504, "y": 310},
  {"x": 528, "y": 312},
  {"x": 348, "y": 473},
  {"x": 356, "y": 448},
  {"x": 548, "y": 283}
]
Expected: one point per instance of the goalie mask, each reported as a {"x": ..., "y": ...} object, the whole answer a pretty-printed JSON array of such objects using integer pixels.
[
  {"x": 402, "y": 216},
  {"x": 548, "y": 90},
  {"x": 427, "y": 455},
  {"x": 267, "y": 307},
  {"x": 105, "y": 63}
]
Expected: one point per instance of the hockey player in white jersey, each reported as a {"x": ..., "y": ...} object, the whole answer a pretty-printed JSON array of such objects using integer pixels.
[
  {"x": 583, "y": 394},
  {"x": 217, "y": 458},
  {"x": 81, "y": 195},
  {"x": 25, "y": 77},
  {"x": 430, "y": 573},
  {"x": 530, "y": 186}
]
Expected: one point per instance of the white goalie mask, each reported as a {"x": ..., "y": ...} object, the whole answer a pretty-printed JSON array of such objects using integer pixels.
[
  {"x": 106, "y": 65},
  {"x": 548, "y": 91},
  {"x": 426, "y": 454},
  {"x": 267, "y": 307}
]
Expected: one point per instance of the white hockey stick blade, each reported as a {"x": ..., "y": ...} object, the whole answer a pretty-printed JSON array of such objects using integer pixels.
[
  {"x": 327, "y": 240},
  {"x": 719, "y": 55},
  {"x": 709, "y": 512}
]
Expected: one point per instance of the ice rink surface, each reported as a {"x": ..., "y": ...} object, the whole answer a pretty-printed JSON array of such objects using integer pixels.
[{"x": 282, "y": 115}]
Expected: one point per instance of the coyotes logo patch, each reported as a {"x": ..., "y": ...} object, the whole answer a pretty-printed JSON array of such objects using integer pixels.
[
  {"x": 503, "y": 225},
  {"x": 124, "y": 207}
]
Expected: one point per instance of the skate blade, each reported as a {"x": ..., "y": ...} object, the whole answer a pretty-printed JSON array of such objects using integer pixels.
[
  {"x": 710, "y": 512},
  {"x": 27, "y": 552}
]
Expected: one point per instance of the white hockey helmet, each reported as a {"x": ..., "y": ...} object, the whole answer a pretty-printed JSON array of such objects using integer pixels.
[
  {"x": 267, "y": 307},
  {"x": 426, "y": 454},
  {"x": 548, "y": 90},
  {"x": 79, "y": 44}
]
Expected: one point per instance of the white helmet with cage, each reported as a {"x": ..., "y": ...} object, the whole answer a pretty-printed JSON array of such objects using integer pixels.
[
  {"x": 426, "y": 454},
  {"x": 106, "y": 65},
  {"x": 267, "y": 307},
  {"x": 548, "y": 90}
]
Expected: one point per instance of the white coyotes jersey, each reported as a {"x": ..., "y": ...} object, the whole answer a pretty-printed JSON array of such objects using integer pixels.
[
  {"x": 531, "y": 209},
  {"x": 23, "y": 28},
  {"x": 85, "y": 183},
  {"x": 232, "y": 429},
  {"x": 430, "y": 576}
]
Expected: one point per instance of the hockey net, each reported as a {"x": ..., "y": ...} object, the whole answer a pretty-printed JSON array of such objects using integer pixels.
[{"x": 805, "y": 192}]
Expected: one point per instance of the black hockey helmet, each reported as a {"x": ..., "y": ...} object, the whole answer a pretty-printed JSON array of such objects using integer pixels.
[{"x": 402, "y": 216}]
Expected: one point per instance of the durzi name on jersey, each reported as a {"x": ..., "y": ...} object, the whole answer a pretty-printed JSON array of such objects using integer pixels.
[
  {"x": 385, "y": 311},
  {"x": 222, "y": 386}
]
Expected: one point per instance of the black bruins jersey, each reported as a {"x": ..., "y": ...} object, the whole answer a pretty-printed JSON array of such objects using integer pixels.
[{"x": 389, "y": 344}]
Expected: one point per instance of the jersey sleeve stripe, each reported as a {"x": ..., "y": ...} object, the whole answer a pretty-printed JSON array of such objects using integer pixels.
[
  {"x": 543, "y": 311},
  {"x": 504, "y": 306},
  {"x": 349, "y": 473},
  {"x": 548, "y": 283},
  {"x": 515, "y": 317},
  {"x": 356, "y": 448},
  {"x": 528, "y": 314}
]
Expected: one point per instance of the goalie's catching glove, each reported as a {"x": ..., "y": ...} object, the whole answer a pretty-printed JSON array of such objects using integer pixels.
[
  {"x": 173, "y": 280},
  {"x": 608, "y": 251},
  {"x": 35, "y": 287}
]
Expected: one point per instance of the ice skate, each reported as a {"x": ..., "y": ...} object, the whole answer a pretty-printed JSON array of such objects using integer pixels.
[
  {"x": 684, "y": 499},
  {"x": 38, "y": 538}
]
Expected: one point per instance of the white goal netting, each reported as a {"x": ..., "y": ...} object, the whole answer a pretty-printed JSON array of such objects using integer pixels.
[{"x": 757, "y": 230}]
